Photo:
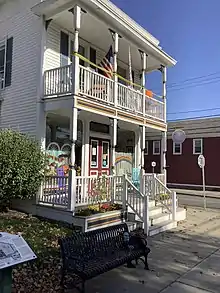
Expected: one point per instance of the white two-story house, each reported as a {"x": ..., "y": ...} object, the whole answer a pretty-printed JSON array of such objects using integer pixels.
[{"x": 74, "y": 74}]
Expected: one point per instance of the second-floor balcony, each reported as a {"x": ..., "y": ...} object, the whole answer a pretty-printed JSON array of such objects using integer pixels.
[{"x": 96, "y": 87}]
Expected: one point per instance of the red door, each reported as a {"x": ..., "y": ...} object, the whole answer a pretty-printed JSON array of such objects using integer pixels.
[{"x": 99, "y": 159}]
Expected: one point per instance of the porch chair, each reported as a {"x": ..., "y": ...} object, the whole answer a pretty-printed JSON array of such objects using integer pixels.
[{"x": 136, "y": 177}]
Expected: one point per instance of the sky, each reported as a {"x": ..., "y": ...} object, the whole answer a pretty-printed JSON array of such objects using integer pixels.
[{"x": 188, "y": 31}]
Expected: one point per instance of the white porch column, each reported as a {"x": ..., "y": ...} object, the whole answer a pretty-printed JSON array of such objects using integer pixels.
[
  {"x": 115, "y": 67},
  {"x": 73, "y": 118},
  {"x": 114, "y": 143},
  {"x": 41, "y": 114},
  {"x": 164, "y": 133},
  {"x": 86, "y": 147},
  {"x": 143, "y": 81},
  {"x": 138, "y": 148}
]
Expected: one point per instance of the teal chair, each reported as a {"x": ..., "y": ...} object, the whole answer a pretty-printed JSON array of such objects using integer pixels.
[{"x": 136, "y": 177}]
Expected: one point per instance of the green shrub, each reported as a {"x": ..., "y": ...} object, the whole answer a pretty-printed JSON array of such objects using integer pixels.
[{"x": 21, "y": 167}]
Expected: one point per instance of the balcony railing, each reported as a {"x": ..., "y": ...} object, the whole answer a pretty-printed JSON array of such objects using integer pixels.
[{"x": 95, "y": 86}]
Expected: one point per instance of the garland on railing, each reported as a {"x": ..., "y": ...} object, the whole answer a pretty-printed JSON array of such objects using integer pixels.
[{"x": 150, "y": 93}]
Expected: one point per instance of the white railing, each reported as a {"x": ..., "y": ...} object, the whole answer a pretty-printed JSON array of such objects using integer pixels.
[
  {"x": 137, "y": 202},
  {"x": 55, "y": 191},
  {"x": 95, "y": 85},
  {"x": 58, "y": 81},
  {"x": 157, "y": 190},
  {"x": 130, "y": 99},
  {"x": 93, "y": 190},
  {"x": 99, "y": 88},
  {"x": 154, "y": 108}
]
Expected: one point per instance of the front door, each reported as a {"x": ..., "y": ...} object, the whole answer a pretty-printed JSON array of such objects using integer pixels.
[{"x": 99, "y": 158}]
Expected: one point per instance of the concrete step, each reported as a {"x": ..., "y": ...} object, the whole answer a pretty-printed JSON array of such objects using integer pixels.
[
  {"x": 162, "y": 227},
  {"x": 165, "y": 216},
  {"x": 153, "y": 211}
]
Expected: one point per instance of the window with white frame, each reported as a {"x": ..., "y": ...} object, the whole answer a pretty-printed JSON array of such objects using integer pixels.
[
  {"x": 156, "y": 147},
  {"x": 6, "y": 47},
  {"x": 177, "y": 148},
  {"x": 197, "y": 146},
  {"x": 146, "y": 148}
]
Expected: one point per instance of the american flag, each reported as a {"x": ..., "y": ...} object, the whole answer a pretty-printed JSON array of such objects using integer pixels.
[{"x": 107, "y": 63}]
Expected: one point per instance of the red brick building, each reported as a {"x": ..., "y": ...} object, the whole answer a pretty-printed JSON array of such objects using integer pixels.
[{"x": 202, "y": 136}]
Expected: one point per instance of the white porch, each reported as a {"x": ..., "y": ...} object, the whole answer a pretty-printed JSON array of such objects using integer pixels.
[{"x": 155, "y": 208}]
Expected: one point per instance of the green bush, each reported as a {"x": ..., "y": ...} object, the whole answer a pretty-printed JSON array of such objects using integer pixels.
[{"x": 21, "y": 167}]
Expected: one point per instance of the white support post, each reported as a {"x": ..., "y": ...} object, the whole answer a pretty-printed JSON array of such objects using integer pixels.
[
  {"x": 125, "y": 193},
  {"x": 142, "y": 181},
  {"x": 164, "y": 134},
  {"x": 114, "y": 143},
  {"x": 86, "y": 141},
  {"x": 41, "y": 114},
  {"x": 143, "y": 79},
  {"x": 146, "y": 214},
  {"x": 73, "y": 126},
  {"x": 174, "y": 205},
  {"x": 115, "y": 67},
  {"x": 164, "y": 90},
  {"x": 138, "y": 148}
]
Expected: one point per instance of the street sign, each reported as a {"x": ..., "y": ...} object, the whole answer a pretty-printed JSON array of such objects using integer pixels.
[
  {"x": 153, "y": 164},
  {"x": 178, "y": 136},
  {"x": 201, "y": 161}
]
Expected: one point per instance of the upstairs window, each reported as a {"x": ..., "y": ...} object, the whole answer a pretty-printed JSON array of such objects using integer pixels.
[
  {"x": 177, "y": 148},
  {"x": 6, "y": 48},
  {"x": 64, "y": 49},
  {"x": 197, "y": 146},
  {"x": 156, "y": 147}
]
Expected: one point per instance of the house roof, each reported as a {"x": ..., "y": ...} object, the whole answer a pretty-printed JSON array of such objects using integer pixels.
[{"x": 115, "y": 17}]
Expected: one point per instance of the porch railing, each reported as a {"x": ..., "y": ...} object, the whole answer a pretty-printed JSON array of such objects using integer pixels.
[
  {"x": 89, "y": 190},
  {"x": 156, "y": 190},
  {"x": 97, "y": 87},
  {"x": 55, "y": 191}
]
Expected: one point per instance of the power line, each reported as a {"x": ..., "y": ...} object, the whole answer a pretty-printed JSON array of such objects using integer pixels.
[
  {"x": 195, "y": 111},
  {"x": 196, "y": 82},
  {"x": 193, "y": 86},
  {"x": 194, "y": 78},
  {"x": 194, "y": 118}
]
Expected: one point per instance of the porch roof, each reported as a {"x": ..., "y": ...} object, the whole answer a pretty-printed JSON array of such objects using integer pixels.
[{"x": 116, "y": 19}]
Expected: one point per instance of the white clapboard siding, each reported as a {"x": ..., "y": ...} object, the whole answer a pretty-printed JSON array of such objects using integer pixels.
[{"x": 19, "y": 100}]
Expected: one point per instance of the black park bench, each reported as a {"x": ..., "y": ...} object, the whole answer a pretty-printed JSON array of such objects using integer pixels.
[{"x": 86, "y": 255}]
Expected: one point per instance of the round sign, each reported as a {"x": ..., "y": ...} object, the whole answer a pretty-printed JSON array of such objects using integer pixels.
[
  {"x": 201, "y": 161},
  {"x": 178, "y": 136},
  {"x": 153, "y": 164}
]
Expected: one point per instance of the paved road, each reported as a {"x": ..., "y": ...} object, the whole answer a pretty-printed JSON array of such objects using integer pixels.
[{"x": 196, "y": 201}]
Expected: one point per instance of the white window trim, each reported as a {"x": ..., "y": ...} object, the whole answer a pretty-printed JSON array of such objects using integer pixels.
[
  {"x": 174, "y": 151},
  {"x": 154, "y": 142},
  {"x": 3, "y": 43},
  {"x": 194, "y": 145},
  {"x": 146, "y": 148}
]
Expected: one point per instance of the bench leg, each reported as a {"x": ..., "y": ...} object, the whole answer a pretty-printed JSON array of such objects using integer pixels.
[{"x": 146, "y": 267}]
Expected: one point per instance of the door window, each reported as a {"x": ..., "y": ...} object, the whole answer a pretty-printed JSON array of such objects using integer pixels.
[
  {"x": 105, "y": 154},
  {"x": 94, "y": 153}
]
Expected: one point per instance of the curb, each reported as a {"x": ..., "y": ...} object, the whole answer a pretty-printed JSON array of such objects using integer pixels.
[{"x": 199, "y": 195}]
